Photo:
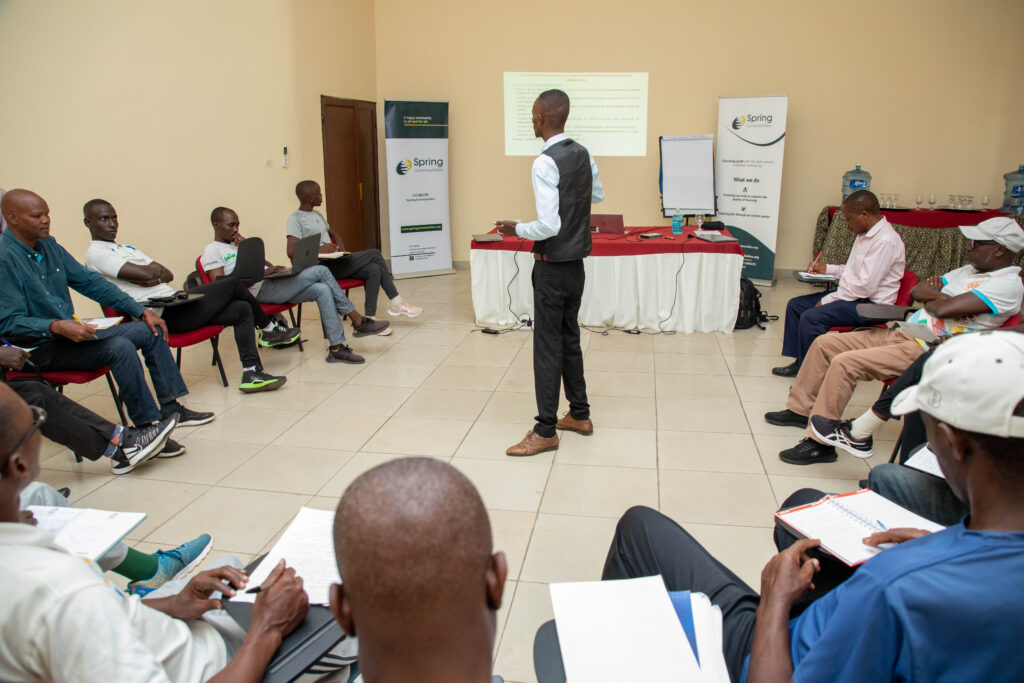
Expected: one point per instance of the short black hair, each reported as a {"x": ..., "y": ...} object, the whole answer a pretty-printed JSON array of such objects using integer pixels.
[
  {"x": 94, "y": 202},
  {"x": 556, "y": 106},
  {"x": 218, "y": 213},
  {"x": 864, "y": 200},
  {"x": 304, "y": 186}
]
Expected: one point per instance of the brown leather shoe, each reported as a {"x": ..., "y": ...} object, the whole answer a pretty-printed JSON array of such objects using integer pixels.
[
  {"x": 532, "y": 444},
  {"x": 585, "y": 427}
]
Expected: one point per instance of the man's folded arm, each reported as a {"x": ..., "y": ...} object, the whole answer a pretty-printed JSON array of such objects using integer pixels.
[{"x": 92, "y": 285}]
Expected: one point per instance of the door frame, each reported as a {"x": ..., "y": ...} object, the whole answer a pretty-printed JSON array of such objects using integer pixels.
[{"x": 328, "y": 101}]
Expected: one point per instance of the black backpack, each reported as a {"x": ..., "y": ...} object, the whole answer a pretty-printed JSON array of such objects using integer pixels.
[{"x": 750, "y": 313}]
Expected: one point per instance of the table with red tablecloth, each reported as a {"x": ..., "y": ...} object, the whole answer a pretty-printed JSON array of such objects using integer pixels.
[
  {"x": 671, "y": 282},
  {"x": 933, "y": 243}
]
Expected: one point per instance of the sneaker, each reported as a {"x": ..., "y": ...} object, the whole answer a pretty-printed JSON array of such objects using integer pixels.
[
  {"x": 173, "y": 564},
  {"x": 404, "y": 308},
  {"x": 186, "y": 417},
  {"x": 837, "y": 433},
  {"x": 171, "y": 449},
  {"x": 279, "y": 336},
  {"x": 370, "y": 326},
  {"x": 257, "y": 380},
  {"x": 790, "y": 370},
  {"x": 139, "y": 445},
  {"x": 344, "y": 354},
  {"x": 786, "y": 418},
  {"x": 808, "y": 452}
]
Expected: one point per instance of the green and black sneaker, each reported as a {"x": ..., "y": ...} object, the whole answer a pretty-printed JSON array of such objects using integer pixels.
[
  {"x": 257, "y": 380},
  {"x": 279, "y": 336}
]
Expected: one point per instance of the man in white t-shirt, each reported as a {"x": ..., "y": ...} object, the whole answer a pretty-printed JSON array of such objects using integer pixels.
[
  {"x": 228, "y": 304},
  {"x": 368, "y": 265},
  {"x": 979, "y": 296},
  {"x": 63, "y": 621},
  {"x": 312, "y": 284}
]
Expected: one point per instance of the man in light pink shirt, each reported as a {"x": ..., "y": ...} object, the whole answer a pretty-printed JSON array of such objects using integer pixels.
[{"x": 872, "y": 274}]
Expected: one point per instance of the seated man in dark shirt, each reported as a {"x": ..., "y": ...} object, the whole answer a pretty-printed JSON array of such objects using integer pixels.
[
  {"x": 941, "y": 606},
  {"x": 227, "y": 303},
  {"x": 36, "y": 310}
]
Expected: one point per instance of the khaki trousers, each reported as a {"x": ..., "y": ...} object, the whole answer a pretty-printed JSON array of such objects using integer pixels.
[{"x": 837, "y": 361}]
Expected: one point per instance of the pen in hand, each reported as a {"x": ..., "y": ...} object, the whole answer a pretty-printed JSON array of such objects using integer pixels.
[
  {"x": 815, "y": 261},
  {"x": 257, "y": 589},
  {"x": 27, "y": 361}
]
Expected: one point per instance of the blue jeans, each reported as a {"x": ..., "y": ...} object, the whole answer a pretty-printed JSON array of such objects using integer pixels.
[
  {"x": 925, "y": 494},
  {"x": 313, "y": 284},
  {"x": 118, "y": 347},
  {"x": 805, "y": 321}
]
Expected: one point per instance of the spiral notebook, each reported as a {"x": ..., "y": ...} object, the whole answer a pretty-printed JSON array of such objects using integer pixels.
[{"x": 843, "y": 521}]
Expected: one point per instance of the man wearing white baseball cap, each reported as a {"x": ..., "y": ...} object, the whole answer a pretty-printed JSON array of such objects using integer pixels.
[{"x": 981, "y": 295}]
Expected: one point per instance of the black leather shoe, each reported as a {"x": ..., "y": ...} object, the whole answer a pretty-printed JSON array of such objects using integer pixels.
[
  {"x": 786, "y": 370},
  {"x": 808, "y": 452},
  {"x": 786, "y": 418},
  {"x": 64, "y": 491}
]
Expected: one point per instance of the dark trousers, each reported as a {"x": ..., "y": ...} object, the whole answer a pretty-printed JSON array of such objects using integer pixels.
[
  {"x": 227, "y": 303},
  {"x": 913, "y": 425},
  {"x": 368, "y": 265},
  {"x": 806, "y": 321},
  {"x": 557, "y": 356},
  {"x": 69, "y": 424},
  {"x": 648, "y": 543},
  {"x": 118, "y": 347}
]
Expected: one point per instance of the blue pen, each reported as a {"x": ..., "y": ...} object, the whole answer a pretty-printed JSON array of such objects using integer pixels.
[
  {"x": 7, "y": 343},
  {"x": 881, "y": 526}
]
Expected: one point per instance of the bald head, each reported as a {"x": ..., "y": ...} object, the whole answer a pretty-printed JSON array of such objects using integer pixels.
[
  {"x": 413, "y": 544},
  {"x": 864, "y": 200},
  {"x": 27, "y": 215}
]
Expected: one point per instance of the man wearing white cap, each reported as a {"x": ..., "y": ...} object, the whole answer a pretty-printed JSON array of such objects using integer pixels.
[
  {"x": 944, "y": 606},
  {"x": 979, "y": 296}
]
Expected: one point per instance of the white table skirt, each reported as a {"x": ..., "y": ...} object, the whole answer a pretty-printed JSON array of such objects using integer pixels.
[{"x": 622, "y": 291}]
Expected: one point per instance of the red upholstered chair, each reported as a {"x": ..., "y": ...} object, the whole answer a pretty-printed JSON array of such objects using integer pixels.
[
  {"x": 269, "y": 309},
  {"x": 62, "y": 377},
  {"x": 908, "y": 282},
  {"x": 180, "y": 340}
]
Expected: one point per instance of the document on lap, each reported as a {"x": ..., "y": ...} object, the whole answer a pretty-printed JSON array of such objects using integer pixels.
[
  {"x": 307, "y": 547},
  {"x": 925, "y": 461},
  {"x": 333, "y": 255},
  {"x": 817, "y": 277},
  {"x": 843, "y": 521},
  {"x": 103, "y": 323},
  {"x": 83, "y": 531}
]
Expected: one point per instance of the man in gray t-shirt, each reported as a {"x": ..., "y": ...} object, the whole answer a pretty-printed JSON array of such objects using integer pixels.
[{"x": 368, "y": 265}]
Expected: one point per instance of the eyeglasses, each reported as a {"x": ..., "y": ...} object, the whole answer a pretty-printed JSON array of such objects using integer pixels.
[
  {"x": 40, "y": 419},
  {"x": 971, "y": 244}
]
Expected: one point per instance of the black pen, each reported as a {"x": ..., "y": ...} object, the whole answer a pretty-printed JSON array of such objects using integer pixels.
[
  {"x": 257, "y": 589},
  {"x": 7, "y": 343}
]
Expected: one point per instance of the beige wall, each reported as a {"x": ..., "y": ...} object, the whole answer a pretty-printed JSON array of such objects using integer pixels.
[
  {"x": 923, "y": 93},
  {"x": 170, "y": 108}
]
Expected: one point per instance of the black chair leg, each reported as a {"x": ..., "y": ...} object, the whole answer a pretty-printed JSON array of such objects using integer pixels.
[
  {"x": 117, "y": 399},
  {"x": 177, "y": 357},
  {"x": 216, "y": 359},
  {"x": 297, "y": 325},
  {"x": 896, "y": 448}
]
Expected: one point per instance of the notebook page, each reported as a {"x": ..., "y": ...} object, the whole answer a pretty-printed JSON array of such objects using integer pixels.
[
  {"x": 871, "y": 506},
  {"x": 86, "y": 532},
  {"x": 627, "y": 630},
  {"x": 308, "y": 546},
  {"x": 840, "y": 533},
  {"x": 925, "y": 461}
]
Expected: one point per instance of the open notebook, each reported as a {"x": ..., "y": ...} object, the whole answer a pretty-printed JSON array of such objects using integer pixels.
[
  {"x": 843, "y": 521},
  {"x": 83, "y": 531}
]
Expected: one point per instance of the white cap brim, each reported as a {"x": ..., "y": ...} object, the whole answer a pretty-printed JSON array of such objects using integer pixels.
[
  {"x": 906, "y": 401},
  {"x": 973, "y": 232}
]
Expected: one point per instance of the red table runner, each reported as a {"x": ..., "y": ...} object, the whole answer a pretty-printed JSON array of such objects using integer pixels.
[
  {"x": 931, "y": 218},
  {"x": 630, "y": 244}
]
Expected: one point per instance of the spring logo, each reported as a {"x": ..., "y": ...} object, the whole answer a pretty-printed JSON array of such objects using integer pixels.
[
  {"x": 403, "y": 167},
  {"x": 738, "y": 122}
]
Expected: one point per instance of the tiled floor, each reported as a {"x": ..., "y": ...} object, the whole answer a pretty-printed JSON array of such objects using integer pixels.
[{"x": 678, "y": 427}]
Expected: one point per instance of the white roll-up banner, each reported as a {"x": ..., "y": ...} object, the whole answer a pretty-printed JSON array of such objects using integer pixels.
[
  {"x": 748, "y": 176},
  {"x": 416, "y": 144}
]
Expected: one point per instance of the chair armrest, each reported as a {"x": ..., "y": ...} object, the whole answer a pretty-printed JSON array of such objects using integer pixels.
[{"x": 883, "y": 311}]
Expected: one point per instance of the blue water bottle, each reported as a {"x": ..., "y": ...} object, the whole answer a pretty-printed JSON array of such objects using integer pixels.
[{"x": 677, "y": 225}]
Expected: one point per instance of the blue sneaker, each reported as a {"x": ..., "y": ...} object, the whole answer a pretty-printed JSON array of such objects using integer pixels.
[{"x": 173, "y": 564}]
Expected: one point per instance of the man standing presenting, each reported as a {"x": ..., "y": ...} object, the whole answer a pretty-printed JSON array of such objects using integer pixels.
[{"x": 565, "y": 183}]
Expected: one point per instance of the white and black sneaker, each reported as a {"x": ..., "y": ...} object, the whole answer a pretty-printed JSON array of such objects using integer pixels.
[
  {"x": 171, "y": 449},
  {"x": 186, "y": 417},
  {"x": 837, "y": 433},
  {"x": 139, "y": 445}
]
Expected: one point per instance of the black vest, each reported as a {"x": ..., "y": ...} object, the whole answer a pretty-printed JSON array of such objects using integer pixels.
[{"x": 575, "y": 183}]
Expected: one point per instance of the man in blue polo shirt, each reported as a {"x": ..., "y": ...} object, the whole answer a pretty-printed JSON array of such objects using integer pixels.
[
  {"x": 36, "y": 310},
  {"x": 944, "y": 606}
]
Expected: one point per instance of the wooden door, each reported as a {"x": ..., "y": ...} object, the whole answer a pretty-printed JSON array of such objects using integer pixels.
[{"x": 350, "y": 170}]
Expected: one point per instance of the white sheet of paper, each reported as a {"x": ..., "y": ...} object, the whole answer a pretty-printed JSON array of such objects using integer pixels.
[
  {"x": 308, "y": 546},
  {"x": 103, "y": 323},
  {"x": 86, "y": 532},
  {"x": 925, "y": 461},
  {"x": 614, "y": 631},
  {"x": 333, "y": 255},
  {"x": 821, "y": 277},
  {"x": 707, "y": 625}
]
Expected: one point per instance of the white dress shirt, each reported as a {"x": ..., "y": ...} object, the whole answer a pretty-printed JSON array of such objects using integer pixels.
[
  {"x": 545, "y": 191},
  {"x": 874, "y": 269}
]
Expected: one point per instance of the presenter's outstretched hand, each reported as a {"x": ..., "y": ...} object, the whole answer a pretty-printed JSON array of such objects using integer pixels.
[{"x": 506, "y": 227}]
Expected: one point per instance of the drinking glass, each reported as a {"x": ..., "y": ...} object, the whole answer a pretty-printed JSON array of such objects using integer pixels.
[
  {"x": 895, "y": 201},
  {"x": 952, "y": 201},
  {"x": 985, "y": 201},
  {"x": 970, "y": 202},
  {"x": 699, "y": 218},
  {"x": 931, "y": 201},
  {"x": 919, "y": 200}
]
